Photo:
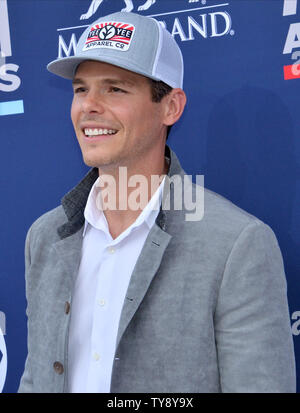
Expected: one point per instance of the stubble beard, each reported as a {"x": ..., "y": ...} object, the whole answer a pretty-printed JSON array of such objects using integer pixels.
[{"x": 126, "y": 157}]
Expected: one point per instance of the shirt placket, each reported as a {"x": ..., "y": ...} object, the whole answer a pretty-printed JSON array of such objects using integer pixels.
[{"x": 101, "y": 346}]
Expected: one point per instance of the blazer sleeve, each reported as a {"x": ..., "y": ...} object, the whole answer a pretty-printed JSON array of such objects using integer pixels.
[
  {"x": 26, "y": 384},
  {"x": 252, "y": 323}
]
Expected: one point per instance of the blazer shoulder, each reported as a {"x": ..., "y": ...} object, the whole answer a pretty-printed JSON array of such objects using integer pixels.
[
  {"x": 223, "y": 213},
  {"x": 46, "y": 225},
  {"x": 221, "y": 225}
]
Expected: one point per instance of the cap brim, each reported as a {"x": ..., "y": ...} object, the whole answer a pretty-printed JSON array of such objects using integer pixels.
[{"x": 66, "y": 67}]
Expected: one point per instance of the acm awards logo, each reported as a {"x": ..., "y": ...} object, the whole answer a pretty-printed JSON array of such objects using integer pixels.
[
  {"x": 9, "y": 80},
  {"x": 193, "y": 20},
  {"x": 3, "y": 353},
  {"x": 292, "y": 41},
  {"x": 129, "y": 6}
]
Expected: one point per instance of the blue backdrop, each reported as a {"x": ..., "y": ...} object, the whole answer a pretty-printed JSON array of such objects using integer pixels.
[{"x": 240, "y": 128}]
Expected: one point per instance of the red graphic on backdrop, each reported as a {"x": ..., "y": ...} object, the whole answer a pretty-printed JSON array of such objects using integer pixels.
[{"x": 291, "y": 72}]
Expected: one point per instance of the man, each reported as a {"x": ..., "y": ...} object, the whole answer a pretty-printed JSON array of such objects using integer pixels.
[{"x": 128, "y": 295}]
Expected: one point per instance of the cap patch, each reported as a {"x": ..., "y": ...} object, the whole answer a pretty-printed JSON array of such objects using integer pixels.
[{"x": 110, "y": 35}]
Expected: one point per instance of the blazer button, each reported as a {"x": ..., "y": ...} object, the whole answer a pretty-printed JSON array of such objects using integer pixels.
[
  {"x": 67, "y": 307},
  {"x": 58, "y": 367}
]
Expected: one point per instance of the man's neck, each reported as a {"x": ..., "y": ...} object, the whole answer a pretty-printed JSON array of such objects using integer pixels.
[{"x": 125, "y": 194}]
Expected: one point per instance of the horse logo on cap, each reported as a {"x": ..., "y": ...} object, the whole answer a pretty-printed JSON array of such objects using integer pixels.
[{"x": 95, "y": 4}]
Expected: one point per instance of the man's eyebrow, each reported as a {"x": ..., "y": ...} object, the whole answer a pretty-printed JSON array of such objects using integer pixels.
[
  {"x": 77, "y": 81},
  {"x": 107, "y": 81},
  {"x": 119, "y": 82}
]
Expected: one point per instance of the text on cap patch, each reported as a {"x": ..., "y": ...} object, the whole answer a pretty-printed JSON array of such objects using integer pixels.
[{"x": 110, "y": 35}]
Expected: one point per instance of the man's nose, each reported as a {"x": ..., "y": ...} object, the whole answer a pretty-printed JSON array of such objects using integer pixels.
[{"x": 93, "y": 103}]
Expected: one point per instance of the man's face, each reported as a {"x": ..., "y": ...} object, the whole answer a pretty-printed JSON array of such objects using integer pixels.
[{"x": 114, "y": 118}]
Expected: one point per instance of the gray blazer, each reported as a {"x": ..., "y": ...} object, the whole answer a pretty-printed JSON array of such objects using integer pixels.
[{"x": 206, "y": 308}]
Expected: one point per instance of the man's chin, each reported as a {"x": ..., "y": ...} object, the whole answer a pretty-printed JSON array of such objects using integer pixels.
[{"x": 99, "y": 162}]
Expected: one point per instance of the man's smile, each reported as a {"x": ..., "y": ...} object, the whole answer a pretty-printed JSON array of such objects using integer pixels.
[{"x": 90, "y": 132}]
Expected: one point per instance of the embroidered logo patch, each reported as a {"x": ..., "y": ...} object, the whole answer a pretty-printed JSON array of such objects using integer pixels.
[{"x": 110, "y": 35}]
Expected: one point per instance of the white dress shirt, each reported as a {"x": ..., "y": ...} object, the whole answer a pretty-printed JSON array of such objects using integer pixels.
[{"x": 99, "y": 292}]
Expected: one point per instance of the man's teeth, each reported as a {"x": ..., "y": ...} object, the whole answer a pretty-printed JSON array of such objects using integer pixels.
[{"x": 96, "y": 132}]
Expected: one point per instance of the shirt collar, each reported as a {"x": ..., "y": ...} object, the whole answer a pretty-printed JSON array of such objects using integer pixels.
[{"x": 95, "y": 217}]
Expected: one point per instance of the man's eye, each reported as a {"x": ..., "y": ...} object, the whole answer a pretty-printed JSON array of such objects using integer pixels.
[
  {"x": 115, "y": 89},
  {"x": 79, "y": 89}
]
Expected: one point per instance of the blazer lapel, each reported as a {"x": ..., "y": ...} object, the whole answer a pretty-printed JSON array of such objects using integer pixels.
[
  {"x": 143, "y": 273},
  {"x": 68, "y": 249},
  {"x": 68, "y": 252},
  {"x": 151, "y": 254}
]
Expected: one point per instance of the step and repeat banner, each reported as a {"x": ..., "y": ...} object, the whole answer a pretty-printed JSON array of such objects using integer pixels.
[{"x": 240, "y": 129}]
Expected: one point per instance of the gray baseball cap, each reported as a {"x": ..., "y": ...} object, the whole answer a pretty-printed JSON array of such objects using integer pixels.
[{"x": 130, "y": 41}]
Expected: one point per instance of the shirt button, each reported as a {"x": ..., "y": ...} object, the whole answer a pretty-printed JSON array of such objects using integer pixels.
[
  {"x": 58, "y": 367},
  {"x": 96, "y": 356},
  {"x": 111, "y": 250},
  {"x": 101, "y": 302},
  {"x": 67, "y": 307}
]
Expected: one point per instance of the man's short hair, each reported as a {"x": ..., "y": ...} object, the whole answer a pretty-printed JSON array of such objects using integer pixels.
[{"x": 159, "y": 90}]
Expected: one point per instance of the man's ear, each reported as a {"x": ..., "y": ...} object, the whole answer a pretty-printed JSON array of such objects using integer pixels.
[{"x": 175, "y": 103}]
